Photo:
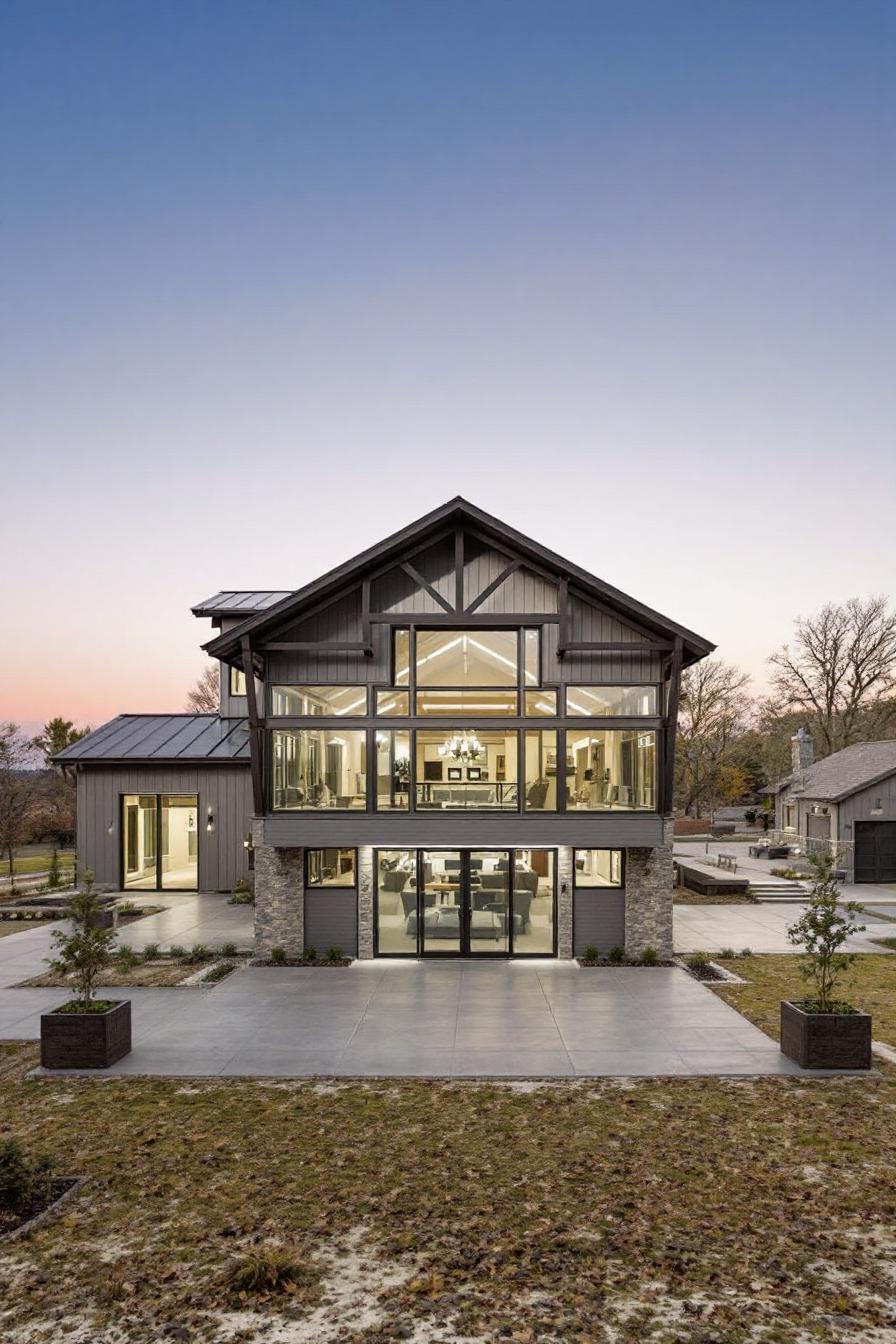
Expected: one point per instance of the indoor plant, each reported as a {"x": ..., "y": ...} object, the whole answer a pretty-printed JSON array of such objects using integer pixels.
[
  {"x": 822, "y": 1031},
  {"x": 85, "y": 1032}
]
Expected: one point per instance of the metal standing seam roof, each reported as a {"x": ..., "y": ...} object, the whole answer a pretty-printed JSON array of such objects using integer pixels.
[
  {"x": 845, "y": 772},
  {"x": 162, "y": 737},
  {"x": 238, "y": 602}
]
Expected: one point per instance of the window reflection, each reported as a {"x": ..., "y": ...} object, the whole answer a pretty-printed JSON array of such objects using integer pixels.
[
  {"x": 319, "y": 768},
  {"x": 611, "y": 769}
]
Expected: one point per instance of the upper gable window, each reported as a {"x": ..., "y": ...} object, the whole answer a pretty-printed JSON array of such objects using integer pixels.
[
  {"x": 467, "y": 658},
  {"x": 595, "y": 701},
  {"x": 319, "y": 701}
]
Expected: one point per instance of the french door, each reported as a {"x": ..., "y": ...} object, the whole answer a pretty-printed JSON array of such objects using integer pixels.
[{"x": 469, "y": 901}]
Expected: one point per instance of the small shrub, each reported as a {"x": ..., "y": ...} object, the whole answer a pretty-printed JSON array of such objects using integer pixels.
[
  {"x": 151, "y": 952},
  {"x": 590, "y": 953},
  {"x": 197, "y": 954},
  {"x": 617, "y": 955},
  {"x": 263, "y": 1272},
  {"x": 23, "y": 1179},
  {"x": 698, "y": 961},
  {"x": 309, "y": 954},
  {"x": 126, "y": 958},
  {"x": 216, "y": 973},
  {"x": 746, "y": 952},
  {"x": 228, "y": 949},
  {"x": 127, "y": 908},
  {"x": 177, "y": 952},
  {"x": 278, "y": 956},
  {"x": 334, "y": 954},
  {"x": 242, "y": 894},
  {"x": 728, "y": 953},
  {"x": 649, "y": 957},
  {"x": 750, "y": 816}
]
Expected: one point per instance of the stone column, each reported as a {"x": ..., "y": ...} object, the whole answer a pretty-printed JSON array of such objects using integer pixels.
[
  {"x": 564, "y": 901},
  {"x": 648, "y": 897},
  {"x": 279, "y": 897},
  {"x": 365, "y": 902}
]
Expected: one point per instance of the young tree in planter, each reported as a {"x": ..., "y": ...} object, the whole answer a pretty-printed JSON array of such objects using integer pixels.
[
  {"x": 821, "y": 930},
  {"x": 85, "y": 950}
]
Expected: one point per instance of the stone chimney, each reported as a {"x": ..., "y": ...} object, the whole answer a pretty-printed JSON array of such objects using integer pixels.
[{"x": 802, "y": 752}]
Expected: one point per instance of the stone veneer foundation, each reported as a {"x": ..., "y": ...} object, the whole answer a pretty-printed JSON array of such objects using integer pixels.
[
  {"x": 279, "y": 897},
  {"x": 648, "y": 898}
]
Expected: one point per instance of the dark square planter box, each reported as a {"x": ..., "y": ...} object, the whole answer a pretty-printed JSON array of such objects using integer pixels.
[
  {"x": 826, "y": 1040},
  {"x": 85, "y": 1040}
]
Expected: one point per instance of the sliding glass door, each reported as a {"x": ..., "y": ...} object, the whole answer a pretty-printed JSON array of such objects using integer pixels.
[{"x": 160, "y": 842}]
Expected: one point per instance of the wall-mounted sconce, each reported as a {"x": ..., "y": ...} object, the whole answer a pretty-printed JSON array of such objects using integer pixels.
[
  {"x": 111, "y": 827},
  {"x": 249, "y": 843},
  {"x": 878, "y": 807},
  {"x": 210, "y": 820}
]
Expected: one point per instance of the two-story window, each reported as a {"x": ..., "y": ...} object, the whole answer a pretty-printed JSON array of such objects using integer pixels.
[{"x": 468, "y": 680}]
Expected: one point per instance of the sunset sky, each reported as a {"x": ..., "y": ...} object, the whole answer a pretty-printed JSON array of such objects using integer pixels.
[{"x": 279, "y": 277}]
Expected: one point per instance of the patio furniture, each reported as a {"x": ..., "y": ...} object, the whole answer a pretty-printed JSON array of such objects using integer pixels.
[{"x": 725, "y": 859}]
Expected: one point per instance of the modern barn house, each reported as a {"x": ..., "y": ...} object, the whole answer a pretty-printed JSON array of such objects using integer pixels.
[{"x": 455, "y": 744}]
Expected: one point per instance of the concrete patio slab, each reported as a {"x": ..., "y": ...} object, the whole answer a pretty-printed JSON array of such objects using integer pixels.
[{"x": 762, "y": 928}]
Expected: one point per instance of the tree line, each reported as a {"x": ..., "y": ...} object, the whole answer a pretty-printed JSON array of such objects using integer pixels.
[
  {"x": 35, "y": 803},
  {"x": 836, "y": 677}
]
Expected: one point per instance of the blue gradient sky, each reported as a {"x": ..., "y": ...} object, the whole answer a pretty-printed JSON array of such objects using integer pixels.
[{"x": 278, "y": 278}]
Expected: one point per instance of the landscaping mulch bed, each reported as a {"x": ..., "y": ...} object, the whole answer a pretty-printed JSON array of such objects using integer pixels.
[
  {"x": 622, "y": 965},
  {"x": 150, "y": 974},
  {"x": 699, "y": 1211},
  {"x": 299, "y": 961},
  {"x": 682, "y": 896},
  {"x": 26, "y": 1218}
]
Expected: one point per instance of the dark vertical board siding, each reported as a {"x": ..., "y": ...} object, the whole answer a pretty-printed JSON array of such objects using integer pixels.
[
  {"x": 396, "y": 592},
  {"x": 598, "y": 920},
  {"x": 858, "y": 808},
  {"x": 331, "y": 920},
  {"x": 339, "y": 623},
  {"x": 590, "y": 623},
  {"x": 226, "y": 790}
]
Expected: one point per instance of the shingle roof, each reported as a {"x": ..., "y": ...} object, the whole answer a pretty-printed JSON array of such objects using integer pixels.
[
  {"x": 846, "y": 772},
  {"x": 240, "y": 603},
  {"x": 162, "y": 737}
]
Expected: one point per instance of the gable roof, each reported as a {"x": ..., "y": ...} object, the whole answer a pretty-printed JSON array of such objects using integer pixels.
[
  {"x": 240, "y": 602},
  {"x": 845, "y": 772},
  {"x": 457, "y": 511},
  {"x": 161, "y": 737}
]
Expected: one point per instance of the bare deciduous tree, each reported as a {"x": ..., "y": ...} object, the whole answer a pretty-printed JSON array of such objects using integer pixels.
[
  {"x": 205, "y": 697},
  {"x": 16, "y": 792},
  {"x": 840, "y": 670},
  {"x": 713, "y": 710}
]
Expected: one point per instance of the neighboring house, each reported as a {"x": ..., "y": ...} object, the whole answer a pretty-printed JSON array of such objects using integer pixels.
[
  {"x": 847, "y": 801},
  {"x": 455, "y": 743}
]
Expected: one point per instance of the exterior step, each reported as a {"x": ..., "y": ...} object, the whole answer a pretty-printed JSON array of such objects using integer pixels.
[{"x": 779, "y": 891}]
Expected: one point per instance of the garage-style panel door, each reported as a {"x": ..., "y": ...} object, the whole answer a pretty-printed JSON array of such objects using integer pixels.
[{"x": 875, "y": 851}]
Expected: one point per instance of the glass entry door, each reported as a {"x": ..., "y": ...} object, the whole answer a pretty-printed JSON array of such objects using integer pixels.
[{"x": 465, "y": 902}]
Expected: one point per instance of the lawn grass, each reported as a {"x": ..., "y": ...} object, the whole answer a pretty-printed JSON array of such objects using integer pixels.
[
  {"x": 870, "y": 984},
  {"x": 9, "y": 926},
  {"x": 38, "y": 863},
  {"x": 711, "y": 1211}
]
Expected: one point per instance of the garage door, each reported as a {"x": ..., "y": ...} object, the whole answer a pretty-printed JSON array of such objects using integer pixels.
[{"x": 875, "y": 851}]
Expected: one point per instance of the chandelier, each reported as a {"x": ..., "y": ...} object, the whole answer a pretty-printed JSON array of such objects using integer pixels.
[{"x": 462, "y": 747}]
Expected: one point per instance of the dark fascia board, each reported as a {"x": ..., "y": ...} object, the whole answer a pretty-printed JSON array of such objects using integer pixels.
[{"x": 459, "y": 510}]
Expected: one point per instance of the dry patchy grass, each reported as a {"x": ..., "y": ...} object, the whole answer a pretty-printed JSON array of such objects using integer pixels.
[
  {"x": 161, "y": 973},
  {"x": 697, "y": 1210},
  {"x": 870, "y": 985}
]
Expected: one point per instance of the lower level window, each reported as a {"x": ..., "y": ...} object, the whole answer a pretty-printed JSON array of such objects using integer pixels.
[
  {"x": 319, "y": 768},
  {"x": 598, "y": 868},
  {"x": 330, "y": 868}
]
